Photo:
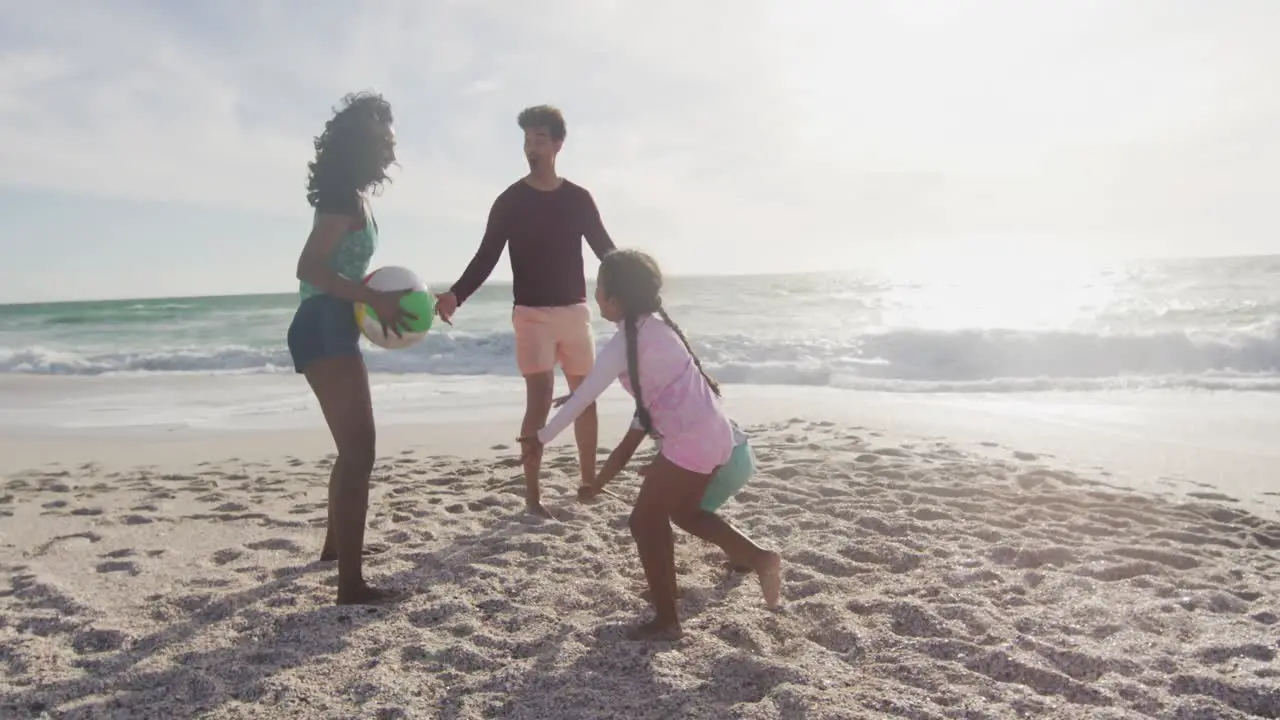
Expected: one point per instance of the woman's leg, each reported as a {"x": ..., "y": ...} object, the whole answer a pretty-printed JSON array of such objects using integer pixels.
[
  {"x": 341, "y": 385},
  {"x": 329, "y": 552}
]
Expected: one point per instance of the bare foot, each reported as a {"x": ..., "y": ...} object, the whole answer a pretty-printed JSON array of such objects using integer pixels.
[
  {"x": 537, "y": 509},
  {"x": 656, "y": 629},
  {"x": 327, "y": 555},
  {"x": 365, "y": 595},
  {"x": 329, "y": 552},
  {"x": 769, "y": 570},
  {"x": 644, "y": 593}
]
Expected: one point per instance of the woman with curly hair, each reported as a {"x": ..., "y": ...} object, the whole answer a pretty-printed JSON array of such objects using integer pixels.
[{"x": 352, "y": 157}]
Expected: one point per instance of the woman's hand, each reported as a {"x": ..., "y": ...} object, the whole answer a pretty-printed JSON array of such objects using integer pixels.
[
  {"x": 386, "y": 305},
  {"x": 557, "y": 402}
]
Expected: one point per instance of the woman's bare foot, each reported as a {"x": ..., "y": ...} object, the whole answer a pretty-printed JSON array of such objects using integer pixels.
[
  {"x": 536, "y": 508},
  {"x": 328, "y": 555},
  {"x": 644, "y": 592},
  {"x": 365, "y": 595},
  {"x": 769, "y": 570},
  {"x": 656, "y": 629}
]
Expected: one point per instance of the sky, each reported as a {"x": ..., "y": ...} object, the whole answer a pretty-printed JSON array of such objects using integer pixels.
[{"x": 153, "y": 148}]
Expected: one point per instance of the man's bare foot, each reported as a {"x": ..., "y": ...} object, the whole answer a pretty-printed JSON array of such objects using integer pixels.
[
  {"x": 537, "y": 509},
  {"x": 658, "y": 630},
  {"x": 365, "y": 595},
  {"x": 769, "y": 570}
]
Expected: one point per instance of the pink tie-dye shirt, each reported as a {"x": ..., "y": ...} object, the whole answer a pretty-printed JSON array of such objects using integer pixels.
[{"x": 695, "y": 432}]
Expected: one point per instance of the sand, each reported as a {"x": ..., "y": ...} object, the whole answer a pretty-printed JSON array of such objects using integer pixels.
[{"x": 923, "y": 579}]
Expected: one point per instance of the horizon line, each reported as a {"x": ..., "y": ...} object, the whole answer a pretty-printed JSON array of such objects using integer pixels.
[{"x": 507, "y": 281}]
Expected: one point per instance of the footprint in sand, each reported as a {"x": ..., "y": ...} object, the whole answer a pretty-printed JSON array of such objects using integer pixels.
[
  {"x": 116, "y": 566},
  {"x": 277, "y": 544},
  {"x": 226, "y": 555},
  {"x": 89, "y": 642},
  {"x": 1212, "y": 496},
  {"x": 136, "y": 519}
]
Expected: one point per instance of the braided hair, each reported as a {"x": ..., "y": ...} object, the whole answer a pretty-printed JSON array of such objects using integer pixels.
[{"x": 633, "y": 279}]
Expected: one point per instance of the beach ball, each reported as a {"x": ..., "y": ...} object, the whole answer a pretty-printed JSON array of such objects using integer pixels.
[{"x": 419, "y": 301}]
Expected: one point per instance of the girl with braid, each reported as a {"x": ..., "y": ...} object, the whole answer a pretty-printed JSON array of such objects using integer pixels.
[{"x": 702, "y": 458}]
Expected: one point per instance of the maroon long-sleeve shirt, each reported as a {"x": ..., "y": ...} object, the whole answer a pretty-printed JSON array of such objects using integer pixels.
[{"x": 544, "y": 229}]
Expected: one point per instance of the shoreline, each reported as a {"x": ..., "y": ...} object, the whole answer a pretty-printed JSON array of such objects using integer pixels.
[{"x": 1170, "y": 442}]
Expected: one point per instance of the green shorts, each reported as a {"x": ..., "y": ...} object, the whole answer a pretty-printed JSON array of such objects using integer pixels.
[{"x": 730, "y": 477}]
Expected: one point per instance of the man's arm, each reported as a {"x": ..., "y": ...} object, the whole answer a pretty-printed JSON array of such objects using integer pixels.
[
  {"x": 593, "y": 228},
  {"x": 486, "y": 257}
]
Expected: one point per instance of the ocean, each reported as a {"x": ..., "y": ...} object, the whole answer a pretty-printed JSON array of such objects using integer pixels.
[{"x": 989, "y": 327}]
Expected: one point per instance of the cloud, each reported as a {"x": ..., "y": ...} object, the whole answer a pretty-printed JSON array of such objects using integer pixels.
[{"x": 747, "y": 134}]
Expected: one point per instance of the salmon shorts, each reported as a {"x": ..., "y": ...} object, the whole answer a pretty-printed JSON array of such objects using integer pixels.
[{"x": 547, "y": 336}]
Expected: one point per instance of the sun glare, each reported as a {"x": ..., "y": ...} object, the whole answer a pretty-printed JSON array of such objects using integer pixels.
[{"x": 995, "y": 292}]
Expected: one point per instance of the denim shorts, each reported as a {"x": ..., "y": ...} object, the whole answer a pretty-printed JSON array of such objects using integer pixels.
[{"x": 323, "y": 326}]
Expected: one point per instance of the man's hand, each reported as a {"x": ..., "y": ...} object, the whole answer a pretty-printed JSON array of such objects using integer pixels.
[{"x": 446, "y": 306}]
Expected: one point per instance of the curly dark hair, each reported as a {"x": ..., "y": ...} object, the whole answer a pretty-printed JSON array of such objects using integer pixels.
[
  {"x": 355, "y": 149},
  {"x": 634, "y": 279}
]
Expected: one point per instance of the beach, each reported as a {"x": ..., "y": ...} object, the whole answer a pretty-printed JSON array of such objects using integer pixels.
[
  {"x": 945, "y": 557},
  {"x": 1046, "y": 494}
]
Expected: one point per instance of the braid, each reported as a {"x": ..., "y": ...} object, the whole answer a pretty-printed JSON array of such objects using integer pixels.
[
  {"x": 633, "y": 371},
  {"x": 715, "y": 386}
]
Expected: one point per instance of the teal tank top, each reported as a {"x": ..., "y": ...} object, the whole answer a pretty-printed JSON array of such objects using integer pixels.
[{"x": 351, "y": 258}]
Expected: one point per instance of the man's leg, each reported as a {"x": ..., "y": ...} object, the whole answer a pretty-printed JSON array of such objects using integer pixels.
[
  {"x": 586, "y": 432},
  {"x": 539, "y": 389},
  {"x": 576, "y": 352},
  {"x": 536, "y": 358}
]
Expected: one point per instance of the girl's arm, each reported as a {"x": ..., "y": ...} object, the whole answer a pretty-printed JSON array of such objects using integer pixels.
[
  {"x": 620, "y": 456},
  {"x": 610, "y": 363}
]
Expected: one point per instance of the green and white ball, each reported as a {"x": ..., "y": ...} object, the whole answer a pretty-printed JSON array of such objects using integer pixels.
[{"x": 419, "y": 301}]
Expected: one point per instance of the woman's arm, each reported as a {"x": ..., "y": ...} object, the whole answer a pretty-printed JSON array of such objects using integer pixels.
[{"x": 610, "y": 363}]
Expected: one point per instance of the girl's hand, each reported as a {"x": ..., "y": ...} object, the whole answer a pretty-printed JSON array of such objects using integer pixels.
[
  {"x": 530, "y": 446},
  {"x": 387, "y": 307}
]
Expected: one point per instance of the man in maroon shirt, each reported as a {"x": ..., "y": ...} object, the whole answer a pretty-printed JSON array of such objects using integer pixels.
[{"x": 543, "y": 218}]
